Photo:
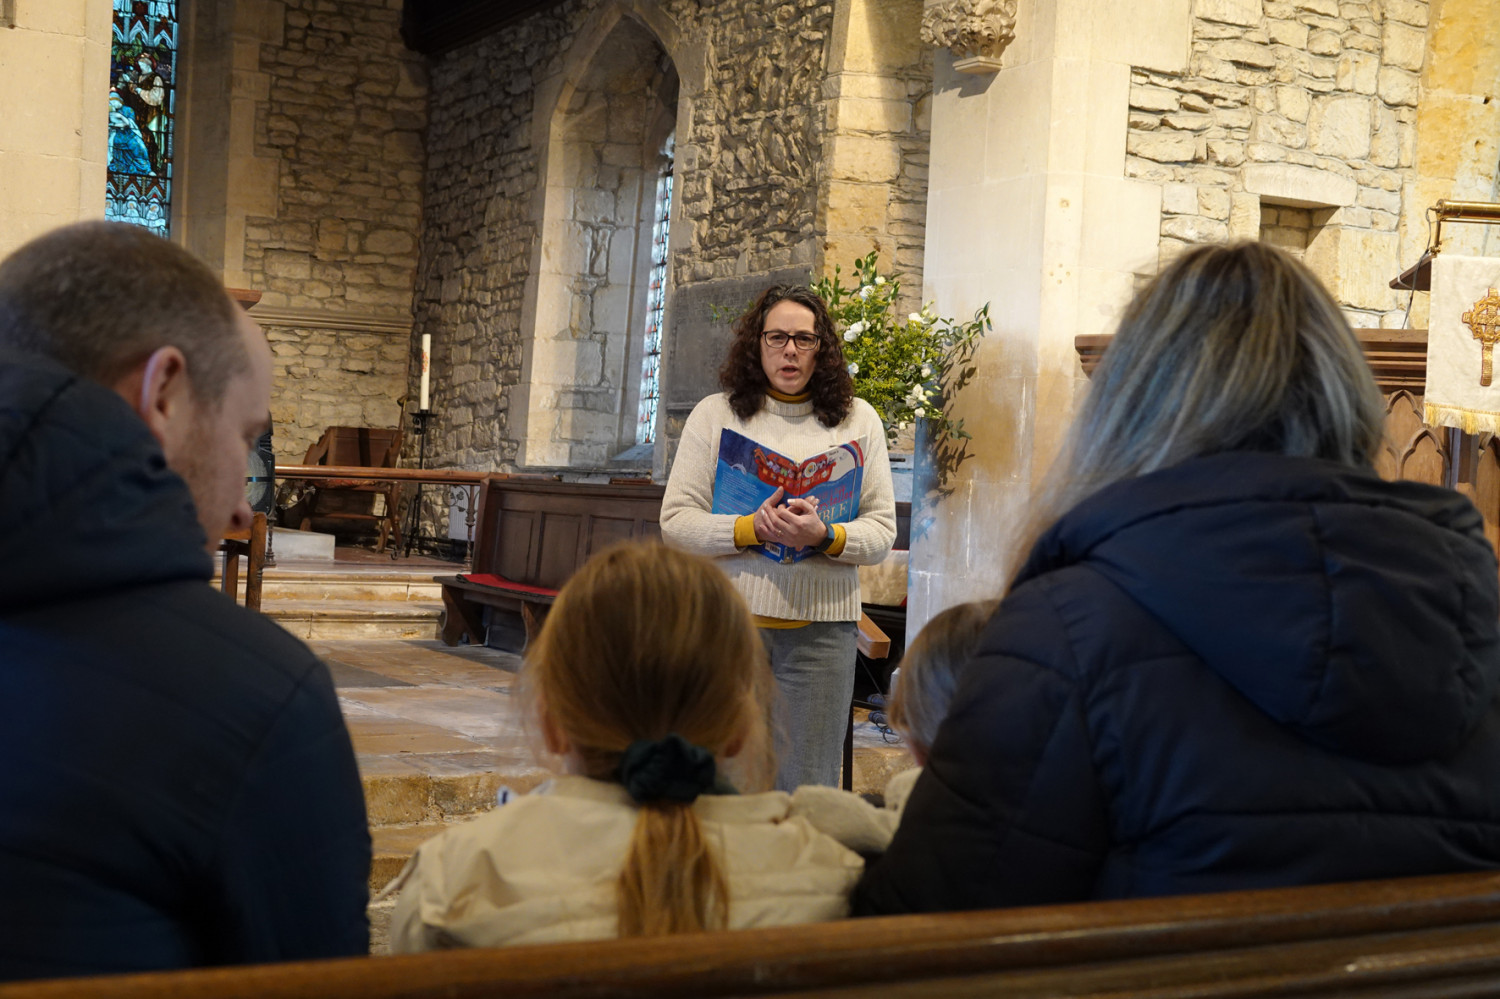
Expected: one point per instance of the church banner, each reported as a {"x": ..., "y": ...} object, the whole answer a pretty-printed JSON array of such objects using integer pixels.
[{"x": 1462, "y": 332}]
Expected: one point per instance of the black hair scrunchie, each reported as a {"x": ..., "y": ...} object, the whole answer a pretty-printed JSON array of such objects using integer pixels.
[{"x": 670, "y": 769}]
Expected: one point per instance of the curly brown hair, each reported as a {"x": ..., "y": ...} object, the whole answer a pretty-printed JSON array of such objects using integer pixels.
[{"x": 744, "y": 379}]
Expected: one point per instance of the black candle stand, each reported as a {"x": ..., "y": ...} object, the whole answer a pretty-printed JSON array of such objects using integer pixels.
[{"x": 419, "y": 420}]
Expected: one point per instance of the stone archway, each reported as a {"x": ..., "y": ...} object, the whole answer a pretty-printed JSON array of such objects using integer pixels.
[{"x": 604, "y": 149}]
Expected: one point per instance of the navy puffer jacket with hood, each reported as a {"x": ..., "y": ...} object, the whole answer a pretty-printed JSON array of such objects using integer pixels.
[
  {"x": 1243, "y": 671},
  {"x": 178, "y": 786}
]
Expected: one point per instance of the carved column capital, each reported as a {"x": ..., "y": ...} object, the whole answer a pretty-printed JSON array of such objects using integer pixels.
[{"x": 975, "y": 31}]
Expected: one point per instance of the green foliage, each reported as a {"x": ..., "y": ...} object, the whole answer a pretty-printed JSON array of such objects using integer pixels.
[{"x": 908, "y": 367}]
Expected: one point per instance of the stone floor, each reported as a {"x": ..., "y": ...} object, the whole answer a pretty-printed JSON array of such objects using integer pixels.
[{"x": 439, "y": 731}]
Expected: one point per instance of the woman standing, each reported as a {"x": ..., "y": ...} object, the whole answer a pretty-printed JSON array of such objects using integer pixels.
[
  {"x": 786, "y": 387},
  {"x": 1234, "y": 657}
]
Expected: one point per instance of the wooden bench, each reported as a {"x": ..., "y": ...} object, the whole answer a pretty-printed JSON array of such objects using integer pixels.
[
  {"x": 1416, "y": 937},
  {"x": 533, "y": 534}
]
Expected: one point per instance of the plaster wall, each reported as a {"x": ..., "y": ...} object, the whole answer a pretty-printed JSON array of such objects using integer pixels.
[
  {"x": 1029, "y": 209},
  {"x": 54, "y": 73}
]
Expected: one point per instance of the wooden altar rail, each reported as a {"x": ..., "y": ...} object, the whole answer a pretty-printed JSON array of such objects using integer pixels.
[
  {"x": 336, "y": 476},
  {"x": 1407, "y": 937},
  {"x": 352, "y": 473}
]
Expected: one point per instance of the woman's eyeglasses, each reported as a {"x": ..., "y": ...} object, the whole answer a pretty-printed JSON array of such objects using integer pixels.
[{"x": 776, "y": 340}]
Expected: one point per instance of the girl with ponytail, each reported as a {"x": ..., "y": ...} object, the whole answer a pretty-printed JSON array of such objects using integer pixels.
[{"x": 650, "y": 682}]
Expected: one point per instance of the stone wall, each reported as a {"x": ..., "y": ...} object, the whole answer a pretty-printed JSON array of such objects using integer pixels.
[
  {"x": 753, "y": 125},
  {"x": 880, "y": 123},
  {"x": 1293, "y": 106},
  {"x": 339, "y": 124},
  {"x": 332, "y": 378},
  {"x": 344, "y": 117}
]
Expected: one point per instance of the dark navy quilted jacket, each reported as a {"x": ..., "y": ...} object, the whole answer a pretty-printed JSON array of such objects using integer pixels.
[
  {"x": 1242, "y": 671},
  {"x": 177, "y": 786}
]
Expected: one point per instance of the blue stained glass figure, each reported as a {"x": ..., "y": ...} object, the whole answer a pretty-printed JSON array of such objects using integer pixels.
[{"x": 142, "y": 113}]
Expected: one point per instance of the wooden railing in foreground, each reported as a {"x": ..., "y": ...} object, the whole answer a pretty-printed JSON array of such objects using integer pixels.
[{"x": 1411, "y": 937}]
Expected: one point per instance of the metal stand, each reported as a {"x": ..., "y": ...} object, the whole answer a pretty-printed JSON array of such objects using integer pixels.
[{"x": 419, "y": 420}]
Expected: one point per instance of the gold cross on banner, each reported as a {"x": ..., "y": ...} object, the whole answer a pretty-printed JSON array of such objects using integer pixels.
[{"x": 1484, "y": 320}]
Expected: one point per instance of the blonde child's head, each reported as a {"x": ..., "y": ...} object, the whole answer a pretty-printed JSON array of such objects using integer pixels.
[
  {"x": 930, "y": 670},
  {"x": 649, "y": 672}
]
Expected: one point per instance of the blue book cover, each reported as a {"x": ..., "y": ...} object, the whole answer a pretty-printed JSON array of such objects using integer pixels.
[{"x": 749, "y": 472}]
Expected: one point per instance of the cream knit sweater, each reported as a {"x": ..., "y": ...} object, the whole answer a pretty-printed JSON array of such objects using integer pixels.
[{"x": 820, "y": 588}]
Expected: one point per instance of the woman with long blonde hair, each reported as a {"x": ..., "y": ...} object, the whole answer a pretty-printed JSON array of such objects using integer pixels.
[
  {"x": 650, "y": 682},
  {"x": 1232, "y": 656}
]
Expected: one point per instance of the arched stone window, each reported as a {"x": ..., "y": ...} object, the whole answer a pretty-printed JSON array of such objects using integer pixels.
[
  {"x": 608, "y": 151},
  {"x": 656, "y": 302}
]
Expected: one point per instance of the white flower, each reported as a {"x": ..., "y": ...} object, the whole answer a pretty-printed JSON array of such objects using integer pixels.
[
  {"x": 867, "y": 291},
  {"x": 853, "y": 368},
  {"x": 902, "y": 425},
  {"x": 915, "y": 317},
  {"x": 880, "y": 280},
  {"x": 919, "y": 412},
  {"x": 851, "y": 334},
  {"x": 926, "y": 371}
]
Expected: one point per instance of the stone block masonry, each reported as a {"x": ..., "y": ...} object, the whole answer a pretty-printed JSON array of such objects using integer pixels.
[
  {"x": 754, "y": 148},
  {"x": 1304, "y": 109},
  {"x": 332, "y": 378},
  {"x": 344, "y": 116}
]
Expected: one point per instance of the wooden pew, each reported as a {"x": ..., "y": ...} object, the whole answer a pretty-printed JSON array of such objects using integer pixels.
[
  {"x": 1435, "y": 936},
  {"x": 532, "y": 535}
]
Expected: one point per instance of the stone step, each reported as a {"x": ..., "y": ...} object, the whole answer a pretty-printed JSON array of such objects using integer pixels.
[
  {"x": 392, "y": 847},
  {"x": 334, "y": 619},
  {"x": 303, "y": 585},
  {"x": 406, "y": 810}
]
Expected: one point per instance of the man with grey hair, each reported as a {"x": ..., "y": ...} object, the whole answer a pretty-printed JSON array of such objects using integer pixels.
[{"x": 179, "y": 786}]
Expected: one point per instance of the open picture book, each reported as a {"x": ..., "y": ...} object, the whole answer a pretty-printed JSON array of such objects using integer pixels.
[{"x": 748, "y": 473}]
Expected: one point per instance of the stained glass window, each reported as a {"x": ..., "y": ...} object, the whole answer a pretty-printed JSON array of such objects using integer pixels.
[
  {"x": 656, "y": 300},
  {"x": 142, "y": 113}
]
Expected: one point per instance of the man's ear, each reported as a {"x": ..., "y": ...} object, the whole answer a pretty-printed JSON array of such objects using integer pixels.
[{"x": 157, "y": 389}]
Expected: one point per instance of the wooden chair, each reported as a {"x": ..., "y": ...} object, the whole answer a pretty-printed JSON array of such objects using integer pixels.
[
  {"x": 250, "y": 543},
  {"x": 356, "y": 447}
]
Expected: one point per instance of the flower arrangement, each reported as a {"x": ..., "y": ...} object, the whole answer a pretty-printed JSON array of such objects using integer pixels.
[{"x": 907, "y": 368}]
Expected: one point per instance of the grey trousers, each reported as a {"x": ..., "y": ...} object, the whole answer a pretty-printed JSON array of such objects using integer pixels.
[{"x": 814, "y": 670}]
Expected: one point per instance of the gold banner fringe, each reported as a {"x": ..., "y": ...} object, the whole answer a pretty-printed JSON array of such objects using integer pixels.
[{"x": 1468, "y": 420}]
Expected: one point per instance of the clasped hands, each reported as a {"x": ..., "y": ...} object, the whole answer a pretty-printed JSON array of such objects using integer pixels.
[{"x": 796, "y": 524}]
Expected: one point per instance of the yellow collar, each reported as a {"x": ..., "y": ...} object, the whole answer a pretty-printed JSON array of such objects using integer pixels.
[{"x": 783, "y": 397}]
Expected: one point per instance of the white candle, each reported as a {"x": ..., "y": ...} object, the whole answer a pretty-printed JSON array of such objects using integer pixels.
[{"x": 426, "y": 369}]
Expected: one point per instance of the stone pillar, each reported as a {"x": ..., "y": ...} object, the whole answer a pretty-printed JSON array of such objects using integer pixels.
[
  {"x": 54, "y": 84},
  {"x": 1029, "y": 210},
  {"x": 873, "y": 186},
  {"x": 224, "y": 173}
]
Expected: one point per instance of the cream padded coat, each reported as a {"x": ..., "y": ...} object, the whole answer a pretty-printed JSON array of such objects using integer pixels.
[{"x": 542, "y": 868}]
